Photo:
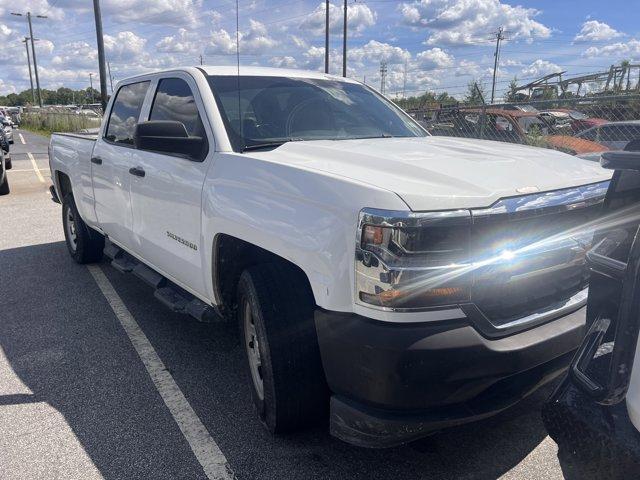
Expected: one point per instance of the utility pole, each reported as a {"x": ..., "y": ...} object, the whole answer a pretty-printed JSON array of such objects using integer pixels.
[
  {"x": 326, "y": 38},
  {"x": 33, "y": 50},
  {"x": 344, "y": 42},
  {"x": 110, "y": 77},
  {"x": 26, "y": 44},
  {"x": 91, "y": 89},
  {"x": 404, "y": 81},
  {"x": 499, "y": 38},
  {"x": 201, "y": 60},
  {"x": 101, "y": 62},
  {"x": 383, "y": 76}
]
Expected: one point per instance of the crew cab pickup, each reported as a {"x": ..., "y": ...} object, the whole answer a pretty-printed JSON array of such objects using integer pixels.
[{"x": 398, "y": 282}]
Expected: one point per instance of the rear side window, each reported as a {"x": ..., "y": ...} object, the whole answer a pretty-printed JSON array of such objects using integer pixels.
[{"x": 125, "y": 113}]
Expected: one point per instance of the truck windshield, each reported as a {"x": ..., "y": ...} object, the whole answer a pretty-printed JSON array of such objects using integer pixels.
[{"x": 273, "y": 110}]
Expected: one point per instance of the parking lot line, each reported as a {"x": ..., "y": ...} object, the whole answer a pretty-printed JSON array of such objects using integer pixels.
[
  {"x": 22, "y": 139},
  {"x": 35, "y": 167},
  {"x": 205, "y": 449}
]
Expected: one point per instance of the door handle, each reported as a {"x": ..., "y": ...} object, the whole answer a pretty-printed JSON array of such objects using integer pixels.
[
  {"x": 96, "y": 160},
  {"x": 137, "y": 171}
]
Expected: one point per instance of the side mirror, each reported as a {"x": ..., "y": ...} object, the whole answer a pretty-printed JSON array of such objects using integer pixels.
[
  {"x": 620, "y": 160},
  {"x": 168, "y": 137}
]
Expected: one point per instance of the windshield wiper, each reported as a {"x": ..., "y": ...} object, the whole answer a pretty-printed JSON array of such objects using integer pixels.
[
  {"x": 275, "y": 144},
  {"x": 259, "y": 146}
]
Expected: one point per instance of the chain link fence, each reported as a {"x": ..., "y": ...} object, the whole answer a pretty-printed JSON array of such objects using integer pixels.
[{"x": 585, "y": 126}]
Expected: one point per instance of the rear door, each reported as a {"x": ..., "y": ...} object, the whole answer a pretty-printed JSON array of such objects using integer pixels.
[
  {"x": 167, "y": 201},
  {"x": 113, "y": 156}
]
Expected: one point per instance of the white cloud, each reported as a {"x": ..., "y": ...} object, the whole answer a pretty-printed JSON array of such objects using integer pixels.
[
  {"x": 183, "y": 42},
  {"x": 125, "y": 46},
  {"x": 359, "y": 17},
  {"x": 595, "y": 31},
  {"x": 157, "y": 12},
  {"x": 76, "y": 55},
  {"x": 284, "y": 62},
  {"x": 434, "y": 58},
  {"x": 619, "y": 50},
  {"x": 376, "y": 52},
  {"x": 539, "y": 68},
  {"x": 469, "y": 21},
  {"x": 254, "y": 41}
]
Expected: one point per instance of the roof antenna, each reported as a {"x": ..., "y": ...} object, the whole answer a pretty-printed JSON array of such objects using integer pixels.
[{"x": 238, "y": 69}]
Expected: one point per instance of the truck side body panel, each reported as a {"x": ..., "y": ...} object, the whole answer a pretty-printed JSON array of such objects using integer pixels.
[
  {"x": 71, "y": 154},
  {"x": 306, "y": 217}
]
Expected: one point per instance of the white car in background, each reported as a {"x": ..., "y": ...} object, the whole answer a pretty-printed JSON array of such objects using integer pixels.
[{"x": 7, "y": 128}]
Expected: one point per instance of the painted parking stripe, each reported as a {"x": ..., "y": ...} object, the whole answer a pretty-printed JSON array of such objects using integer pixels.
[
  {"x": 22, "y": 139},
  {"x": 205, "y": 449},
  {"x": 30, "y": 170},
  {"x": 35, "y": 167}
]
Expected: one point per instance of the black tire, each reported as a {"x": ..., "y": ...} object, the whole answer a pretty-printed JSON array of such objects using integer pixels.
[
  {"x": 295, "y": 393},
  {"x": 7, "y": 164},
  {"x": 87, "y": 246},
  {"x": 4, "y": 186}
]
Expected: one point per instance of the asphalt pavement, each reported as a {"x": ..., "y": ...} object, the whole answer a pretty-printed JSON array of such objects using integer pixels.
[{"x": 77, "y": 400}]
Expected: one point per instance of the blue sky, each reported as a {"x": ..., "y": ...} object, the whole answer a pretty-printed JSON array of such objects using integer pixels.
[{"x": 442, "y": 44}]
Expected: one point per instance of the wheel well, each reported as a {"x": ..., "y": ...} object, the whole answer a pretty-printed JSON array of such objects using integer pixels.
[
  {"x": 64, "y": 183},
  {"x": 231, "y": 256}
]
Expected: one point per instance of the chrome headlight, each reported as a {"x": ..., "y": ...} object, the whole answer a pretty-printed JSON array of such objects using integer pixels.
[{"x": 408, "y": 260}]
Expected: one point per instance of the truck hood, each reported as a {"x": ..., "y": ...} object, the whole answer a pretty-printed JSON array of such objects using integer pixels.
[{"x": 440, "y": 173}]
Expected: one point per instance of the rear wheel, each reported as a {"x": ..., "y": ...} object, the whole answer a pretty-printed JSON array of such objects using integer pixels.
[
  {"x": 85, "y": 245},
  {"x": 275, "y": 313}
]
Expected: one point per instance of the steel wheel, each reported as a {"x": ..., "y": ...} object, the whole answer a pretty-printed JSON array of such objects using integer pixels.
[
  {"x": 252, "y": 347},
  {"x": 71, "y": 229}
]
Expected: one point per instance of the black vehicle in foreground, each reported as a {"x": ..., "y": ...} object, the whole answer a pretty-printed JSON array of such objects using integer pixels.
[
  {"x": 594, "y": 415},
  {"x": 5, "y": 164}
]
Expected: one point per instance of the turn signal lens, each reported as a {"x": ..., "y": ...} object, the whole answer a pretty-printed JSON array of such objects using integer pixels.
[{"x": 372, "y": 235}]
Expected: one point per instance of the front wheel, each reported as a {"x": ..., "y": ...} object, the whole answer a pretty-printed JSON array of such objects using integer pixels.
[
  {"x": 4, "y": 186},
  {"x": 275, "y": 314},
  {"x": 85, "y": 245}
]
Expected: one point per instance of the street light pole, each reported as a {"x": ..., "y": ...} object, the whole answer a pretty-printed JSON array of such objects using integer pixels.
[
  {"x": 26, "y": 44},
  {"x": 33, "y": 50},
  {"x": 101, "y": 60}
]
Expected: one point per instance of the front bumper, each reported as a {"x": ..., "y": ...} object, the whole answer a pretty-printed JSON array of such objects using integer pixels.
[{"x": 393, "y": 383}]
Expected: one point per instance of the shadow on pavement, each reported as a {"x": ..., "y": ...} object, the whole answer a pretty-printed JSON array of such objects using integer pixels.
[{"x": 65, "y": 344}]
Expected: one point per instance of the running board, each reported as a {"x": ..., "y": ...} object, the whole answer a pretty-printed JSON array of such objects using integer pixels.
[{"x": 171, "y": 295}]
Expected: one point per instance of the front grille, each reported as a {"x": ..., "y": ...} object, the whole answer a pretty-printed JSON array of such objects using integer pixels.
[{"x": 531, "y": 260}]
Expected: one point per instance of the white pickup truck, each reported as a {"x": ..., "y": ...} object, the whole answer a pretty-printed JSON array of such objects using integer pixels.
[{"x": 400, "y": 283}]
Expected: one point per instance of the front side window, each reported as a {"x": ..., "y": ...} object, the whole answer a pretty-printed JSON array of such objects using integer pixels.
[
  {"x": 266, "y": 111},
  {"x": 174, "y": 101},
  {"x": 125, "y": 113}
]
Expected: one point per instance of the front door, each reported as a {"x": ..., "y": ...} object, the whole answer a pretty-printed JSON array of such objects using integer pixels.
[
  {"x": 113, "y": 155},
  {"x": 167, "y": 201}
]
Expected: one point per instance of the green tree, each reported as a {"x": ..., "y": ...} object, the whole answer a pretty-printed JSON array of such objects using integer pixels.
[
  {"x": 511, "y": 95},
  {"x": 476, "y": 93}
]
